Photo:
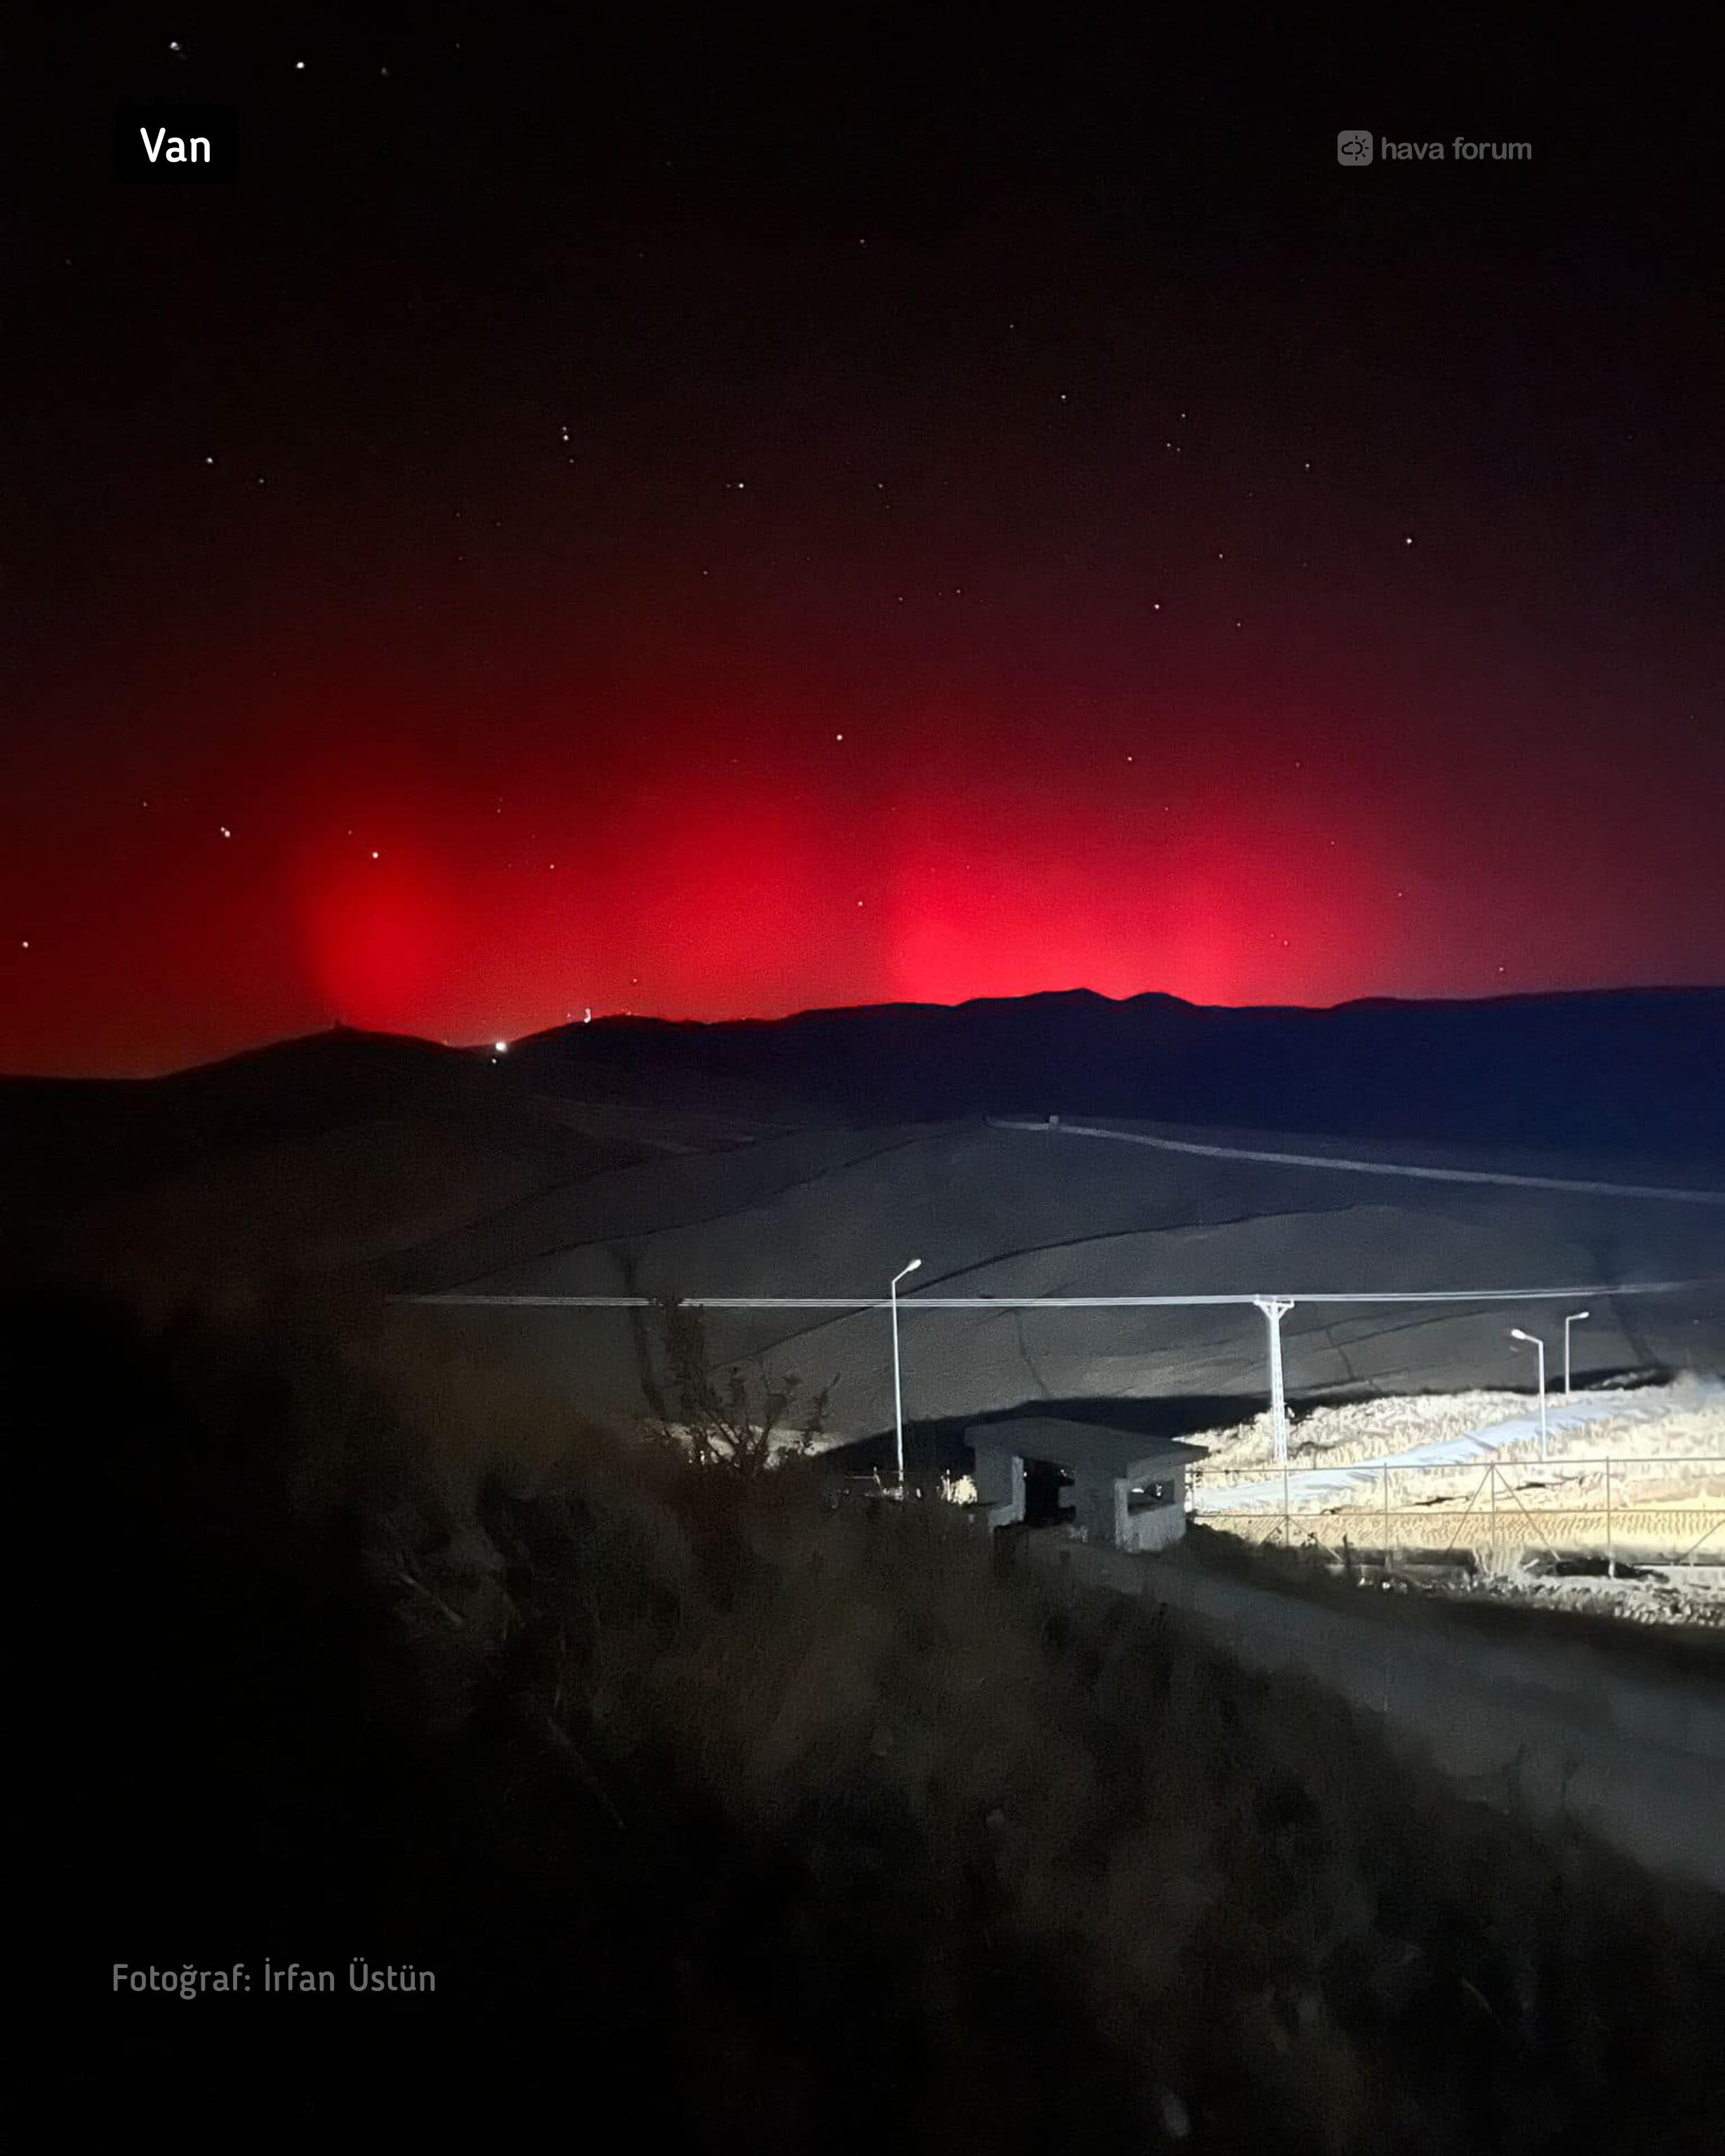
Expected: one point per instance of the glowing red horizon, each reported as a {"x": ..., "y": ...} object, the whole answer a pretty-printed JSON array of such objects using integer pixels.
[{"x": 812, "y": 873}]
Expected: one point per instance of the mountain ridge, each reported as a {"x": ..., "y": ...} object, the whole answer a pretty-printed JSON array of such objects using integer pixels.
[{"x": 1628, "y": 1072}]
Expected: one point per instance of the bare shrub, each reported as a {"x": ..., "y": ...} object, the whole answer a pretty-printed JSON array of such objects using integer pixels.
[{"x": 721, "y": 1416}]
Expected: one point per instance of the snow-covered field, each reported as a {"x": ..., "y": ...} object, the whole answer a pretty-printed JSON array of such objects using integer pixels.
[
  {"x": 1642, "y": 1477},
  {"x": 1687, "y": 1416},
  {"x": 1688, "y": 1599}
]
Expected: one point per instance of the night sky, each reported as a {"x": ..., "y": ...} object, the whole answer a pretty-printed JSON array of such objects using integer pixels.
[{"x": 626, "y": 518}]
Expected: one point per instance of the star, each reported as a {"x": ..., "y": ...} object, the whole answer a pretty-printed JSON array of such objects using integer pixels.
[{"x": 225, "y": 831}]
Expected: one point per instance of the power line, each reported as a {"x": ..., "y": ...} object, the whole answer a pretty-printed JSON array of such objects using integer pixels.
[{"x": 465, "y": 1299}]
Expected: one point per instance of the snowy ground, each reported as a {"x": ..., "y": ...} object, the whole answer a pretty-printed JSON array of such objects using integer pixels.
[
  {"x": 1689, "y": 1598},
  {"x": 1637, "y": 1474},
  {"x": 1686, "y": 1416}
]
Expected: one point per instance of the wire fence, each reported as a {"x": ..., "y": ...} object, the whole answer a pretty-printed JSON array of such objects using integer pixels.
[{"x": 1665, "y": 1506}]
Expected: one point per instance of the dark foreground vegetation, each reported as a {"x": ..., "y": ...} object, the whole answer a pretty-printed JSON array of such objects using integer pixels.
[{"x": 791, "y": 1827}]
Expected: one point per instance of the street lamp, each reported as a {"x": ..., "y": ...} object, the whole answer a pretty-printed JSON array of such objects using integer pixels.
[
  {"x": 898, "y": 1392},
  {"x": 1574, "y": 1317},
  {"x": 1517, "y": 1334}
]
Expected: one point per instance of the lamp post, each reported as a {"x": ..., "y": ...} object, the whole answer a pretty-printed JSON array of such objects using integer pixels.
[
  {"x": 1517, "y": 1334},
  {"x": 898, "y": 1393},
  {"x": 1574, "y": 1317}
]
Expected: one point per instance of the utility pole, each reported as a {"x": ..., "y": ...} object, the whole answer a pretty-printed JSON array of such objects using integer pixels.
[
  {"x": 1276, "y": 1308},
  {"x": 1574, "y": 1317},
  {"x": 1610, "y": 1537},
  {"x": 1534, "y": 1341},
  {"x": 898, "y": 1390}
]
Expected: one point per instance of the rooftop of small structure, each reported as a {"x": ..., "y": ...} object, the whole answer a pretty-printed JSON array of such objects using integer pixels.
[{"x": 1091, "y": 1448}]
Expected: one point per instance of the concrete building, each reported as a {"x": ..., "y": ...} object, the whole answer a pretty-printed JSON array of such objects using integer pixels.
[{"x": 1128, "y": 1492}]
